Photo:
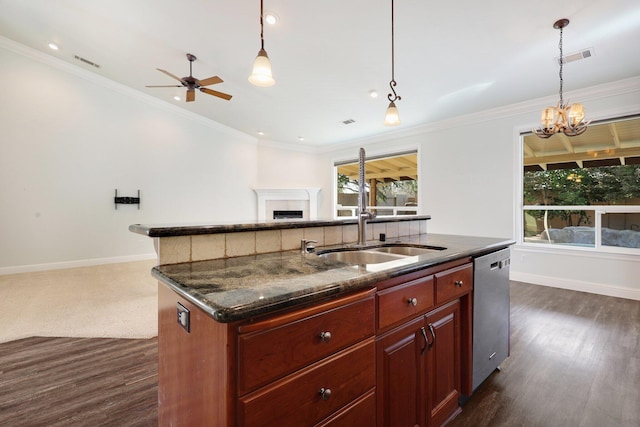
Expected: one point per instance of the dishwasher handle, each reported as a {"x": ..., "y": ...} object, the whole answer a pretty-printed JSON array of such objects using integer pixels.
[{"x": 500, "y": 264}]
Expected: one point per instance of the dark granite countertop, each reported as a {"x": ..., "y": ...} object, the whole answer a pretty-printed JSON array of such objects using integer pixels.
[
  {"x": 239, "y": 288},
  {"x": 182, "y": 229}
]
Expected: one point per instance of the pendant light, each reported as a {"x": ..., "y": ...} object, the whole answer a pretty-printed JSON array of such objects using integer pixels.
[
  {"x": 564, "y": 118},
  {"x": 392, "y": 118},
  {"x": 261, "y": 74}
]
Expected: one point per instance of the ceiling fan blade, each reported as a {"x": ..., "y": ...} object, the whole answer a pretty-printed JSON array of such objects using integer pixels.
[
  {"x": 215, "y": 93},
  {"x": 165, "y": 86},
  {"x": 169, "y": 74},
  {"x": 191, "y": 95},
  {"x": 210, "y": 81}
]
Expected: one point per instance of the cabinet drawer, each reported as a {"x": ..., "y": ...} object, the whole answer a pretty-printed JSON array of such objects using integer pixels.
[
  {"x": 297, "y": 400},
  {"x": 453, "y": 283},
  {"x": 361, "y": 413},
  {"x": 397, "y": 303},
  {"x": 265, "y": 355}
]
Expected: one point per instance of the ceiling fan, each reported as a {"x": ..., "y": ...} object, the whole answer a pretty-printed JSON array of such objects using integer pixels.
[{"x": 191, "y": 83}]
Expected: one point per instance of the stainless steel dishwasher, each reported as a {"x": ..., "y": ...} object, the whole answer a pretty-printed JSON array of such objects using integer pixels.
[{"x": 490, "y": 314}]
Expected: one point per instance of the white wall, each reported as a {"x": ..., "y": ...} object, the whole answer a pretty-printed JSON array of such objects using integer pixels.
[
  {"x": 70, "y": 138},
  {"x": 469, "y": 177}
]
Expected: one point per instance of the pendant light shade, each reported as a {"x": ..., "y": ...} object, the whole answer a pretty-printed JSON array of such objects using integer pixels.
[
  {"x": 261, "y": 74},
  {"x": 392, "y": 118}
]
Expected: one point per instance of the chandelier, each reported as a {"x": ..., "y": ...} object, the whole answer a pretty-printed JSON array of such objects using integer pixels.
[
  {"x": 564, "y": 118},
  {"x": 391, "y": 117}
]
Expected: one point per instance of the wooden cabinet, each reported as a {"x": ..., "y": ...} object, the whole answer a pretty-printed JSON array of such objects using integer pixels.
[
  {"x": 421, "y": 362},
  {"x": 398, "y": 355},
  {"x": 443, "y": 363},
  {"x": 311, "y": 366},
  {"x": 400, "y": 373}
]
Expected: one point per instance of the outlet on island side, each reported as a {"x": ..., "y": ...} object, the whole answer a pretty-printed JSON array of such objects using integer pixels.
[{"x": 184, "y": 317}]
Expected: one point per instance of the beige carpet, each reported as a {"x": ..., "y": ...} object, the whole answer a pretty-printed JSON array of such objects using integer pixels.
[{"x": 111, "y": 300}]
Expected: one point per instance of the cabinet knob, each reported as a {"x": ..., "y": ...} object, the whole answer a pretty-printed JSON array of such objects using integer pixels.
[
  {"x": 413, "y": 301},
  {"x": 325, "y": 393},
  {"x": 325, "y": 336},
  {"x": 458, "y": 283}
]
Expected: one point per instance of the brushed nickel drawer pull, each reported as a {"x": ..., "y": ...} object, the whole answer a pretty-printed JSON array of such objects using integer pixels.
[
  {"x": 413, "y": 301},
  {"x": 325, "y": 393},
  {"x": 458, "y": 283},
  {"x": 325, "y": 336}
]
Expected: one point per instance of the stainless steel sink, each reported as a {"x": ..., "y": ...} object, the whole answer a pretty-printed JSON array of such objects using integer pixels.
[
  {"x": 377, "y": 255},
  {"x": 408, "y": 250},
  {"x": 360, "y": 257}
]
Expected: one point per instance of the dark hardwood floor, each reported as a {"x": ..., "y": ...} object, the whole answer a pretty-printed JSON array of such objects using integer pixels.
[
  {"x": 79, "y": 382},
  {"x": 575, "y": 361}
]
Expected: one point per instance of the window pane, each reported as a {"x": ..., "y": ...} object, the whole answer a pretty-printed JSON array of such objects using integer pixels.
[
  {"x": 606, "y": 185},
  {"x": 562, "y": 227},
  {"x": 393, "y": 180},
  {"x": 621, "y": 230}
]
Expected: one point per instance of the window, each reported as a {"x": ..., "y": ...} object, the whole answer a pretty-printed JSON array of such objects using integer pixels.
[
  {"x": 393, "y": 179},
  {"x": 584, "y": 191}
]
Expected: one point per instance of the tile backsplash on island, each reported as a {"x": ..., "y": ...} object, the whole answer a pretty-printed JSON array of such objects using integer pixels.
[{"x": 201, "y": 247}]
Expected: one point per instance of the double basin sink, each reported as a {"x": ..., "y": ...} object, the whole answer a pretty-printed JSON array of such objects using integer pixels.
[{"x": 378, "y": 254}]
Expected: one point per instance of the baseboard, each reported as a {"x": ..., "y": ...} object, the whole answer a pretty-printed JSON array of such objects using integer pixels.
[
  {"x": 74, "y": 264},
  {"x": 594, "y": 288}
]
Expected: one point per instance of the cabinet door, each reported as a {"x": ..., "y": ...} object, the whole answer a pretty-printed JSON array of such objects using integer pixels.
[
  {"x": 443, "y": 363},
  {"x": 400, "y": 367}
]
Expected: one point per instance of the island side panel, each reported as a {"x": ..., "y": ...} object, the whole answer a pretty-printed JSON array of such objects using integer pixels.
[{"x": 196, "y": 380}]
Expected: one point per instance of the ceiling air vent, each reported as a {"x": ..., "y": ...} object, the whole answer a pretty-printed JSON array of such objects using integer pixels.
[
  {"x": 348, "y": 121},
  {"x": 583, "y": 54},
  {"x": 86, "y": 61}
]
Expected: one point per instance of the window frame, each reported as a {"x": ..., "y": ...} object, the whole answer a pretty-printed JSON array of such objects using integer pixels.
[
  {"x": 599, "y": 210},
  {"x": 373, "y": 155}
]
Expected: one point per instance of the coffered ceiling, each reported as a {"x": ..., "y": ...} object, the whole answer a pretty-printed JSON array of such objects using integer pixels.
[{"x": 451, "y": 58}]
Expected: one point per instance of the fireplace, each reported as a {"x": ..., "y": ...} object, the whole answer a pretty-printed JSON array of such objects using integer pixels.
[{"x": 299, "y": 202}]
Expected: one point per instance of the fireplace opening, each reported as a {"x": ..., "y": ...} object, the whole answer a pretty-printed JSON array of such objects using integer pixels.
[{"x": 287, "y": 214}]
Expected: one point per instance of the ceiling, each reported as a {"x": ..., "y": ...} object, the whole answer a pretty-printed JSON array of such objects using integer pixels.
[{"x": 451, "y": 58}]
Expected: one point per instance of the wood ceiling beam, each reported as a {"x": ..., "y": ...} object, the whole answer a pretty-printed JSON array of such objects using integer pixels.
[
  {"x": 614, "y": 135},
  {"x": 589, "y": 155},
  {"x": 387, "y": 174}
]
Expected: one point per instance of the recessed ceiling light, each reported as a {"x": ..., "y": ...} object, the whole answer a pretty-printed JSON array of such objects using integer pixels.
[
  {"x": 373, "y": 93},
  {"x": 271, "y": 18},
  {"x": 53, "y": 46},
  {"x": 177, "y": 98},
  {"x": 301, "y": 138},
  {"x": 260, "y": 133}
]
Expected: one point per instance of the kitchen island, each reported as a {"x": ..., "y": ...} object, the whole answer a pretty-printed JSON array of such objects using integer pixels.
[{"x": 250, "y": 328}]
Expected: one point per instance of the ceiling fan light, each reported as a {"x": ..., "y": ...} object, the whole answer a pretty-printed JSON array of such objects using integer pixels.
[
  {"x": 392, "y": 118},
  {"x": 261, "y": 74}
]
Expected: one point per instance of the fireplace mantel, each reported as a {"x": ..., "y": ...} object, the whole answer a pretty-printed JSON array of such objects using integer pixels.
[{"x": 287, "y": 195}]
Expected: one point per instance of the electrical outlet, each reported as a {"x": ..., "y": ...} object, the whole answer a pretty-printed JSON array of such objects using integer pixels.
[{"x": 184, "y": 317}]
